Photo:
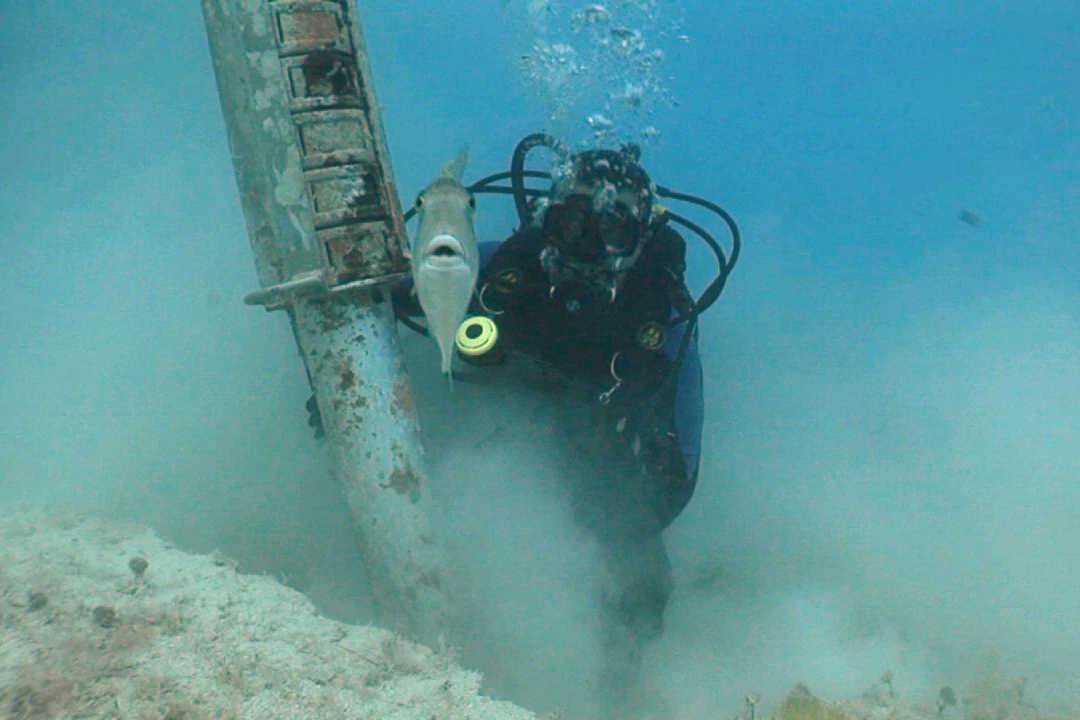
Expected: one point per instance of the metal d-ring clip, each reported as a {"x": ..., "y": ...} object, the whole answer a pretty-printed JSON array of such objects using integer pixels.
[
  {"x": 480, "y": 298},
  {"x": 605, "y": 397}
]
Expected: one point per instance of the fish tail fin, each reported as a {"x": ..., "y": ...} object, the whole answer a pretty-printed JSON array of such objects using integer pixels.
[
  {"x": 448, "y": 371},
  {"x": 456, "y": 168}
]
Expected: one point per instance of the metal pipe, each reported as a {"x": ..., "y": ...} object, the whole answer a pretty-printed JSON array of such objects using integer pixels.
[
  {"x": 327, "y": 233},
  {"x": 355, "y": 363}
]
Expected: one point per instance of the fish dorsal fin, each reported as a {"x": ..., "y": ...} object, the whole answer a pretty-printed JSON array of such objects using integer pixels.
[{"x": 455, "y": 169}]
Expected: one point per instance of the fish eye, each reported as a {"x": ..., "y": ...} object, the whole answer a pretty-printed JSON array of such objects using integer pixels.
[{"x": 472, "y": 202}]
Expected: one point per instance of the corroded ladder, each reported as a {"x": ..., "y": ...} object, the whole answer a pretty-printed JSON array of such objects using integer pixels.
[{"x": 327, "y": 232}]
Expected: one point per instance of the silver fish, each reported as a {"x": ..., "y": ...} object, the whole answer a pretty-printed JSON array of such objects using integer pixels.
[{"x": 445, "y": 259}]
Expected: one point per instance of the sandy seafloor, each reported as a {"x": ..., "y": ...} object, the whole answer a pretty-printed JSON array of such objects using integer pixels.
[
  {"x": 82, "y": 635},
  {"x": 194, "y": 639}
]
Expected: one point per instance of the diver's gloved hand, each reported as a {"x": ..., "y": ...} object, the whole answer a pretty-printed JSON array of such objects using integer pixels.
[
  {"x": 405, "y": 301},
  {"x": 315, "y": 417}
]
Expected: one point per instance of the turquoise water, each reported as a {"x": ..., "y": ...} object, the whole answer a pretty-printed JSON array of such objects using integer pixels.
[{"x": 892, "y": 445}]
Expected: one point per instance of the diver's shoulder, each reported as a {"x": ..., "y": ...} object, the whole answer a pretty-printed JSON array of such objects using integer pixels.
[
  {"x": 519, "y": 249},
  {"x": 664, "y": 234},
  {"x": 530, "y": 236},
  {"x": 667, "y": 249}
]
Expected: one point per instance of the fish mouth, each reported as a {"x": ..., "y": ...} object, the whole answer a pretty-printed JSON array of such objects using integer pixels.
[{"x": 444, "y": 251}]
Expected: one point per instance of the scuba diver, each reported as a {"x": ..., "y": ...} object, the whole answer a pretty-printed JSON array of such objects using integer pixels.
[
  {"x": 589, "y": 286},
  {"x": 587, "y": 301},
  {"x": 586, "y": 304}
]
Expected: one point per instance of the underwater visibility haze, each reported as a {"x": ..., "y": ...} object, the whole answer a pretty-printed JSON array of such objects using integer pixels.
[{"x": 890, "y": 476}]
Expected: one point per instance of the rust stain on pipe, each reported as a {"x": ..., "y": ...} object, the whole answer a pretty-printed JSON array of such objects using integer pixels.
[{"x": 404, "y": 400}]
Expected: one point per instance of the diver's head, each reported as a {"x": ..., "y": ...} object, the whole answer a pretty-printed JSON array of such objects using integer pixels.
[{"x": 597, "y": 219}]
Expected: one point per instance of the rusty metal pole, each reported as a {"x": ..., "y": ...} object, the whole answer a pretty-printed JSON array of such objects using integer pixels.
[{"x": 327, "y": 232}]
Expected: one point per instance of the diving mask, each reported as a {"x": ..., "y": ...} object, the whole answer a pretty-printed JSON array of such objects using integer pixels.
[{"x": 606, "y": 233}]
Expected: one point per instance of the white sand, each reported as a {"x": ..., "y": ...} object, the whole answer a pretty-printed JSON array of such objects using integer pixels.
[
  {"x": 82, "y": 636},
  {"x": 193, "y": 639}
]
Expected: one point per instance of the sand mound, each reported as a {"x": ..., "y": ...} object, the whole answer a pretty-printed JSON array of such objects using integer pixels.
[{"x": 99, "y": 621}]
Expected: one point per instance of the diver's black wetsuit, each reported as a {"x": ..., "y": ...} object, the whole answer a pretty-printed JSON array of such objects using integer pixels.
[{"x": 632, "y": 420}]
